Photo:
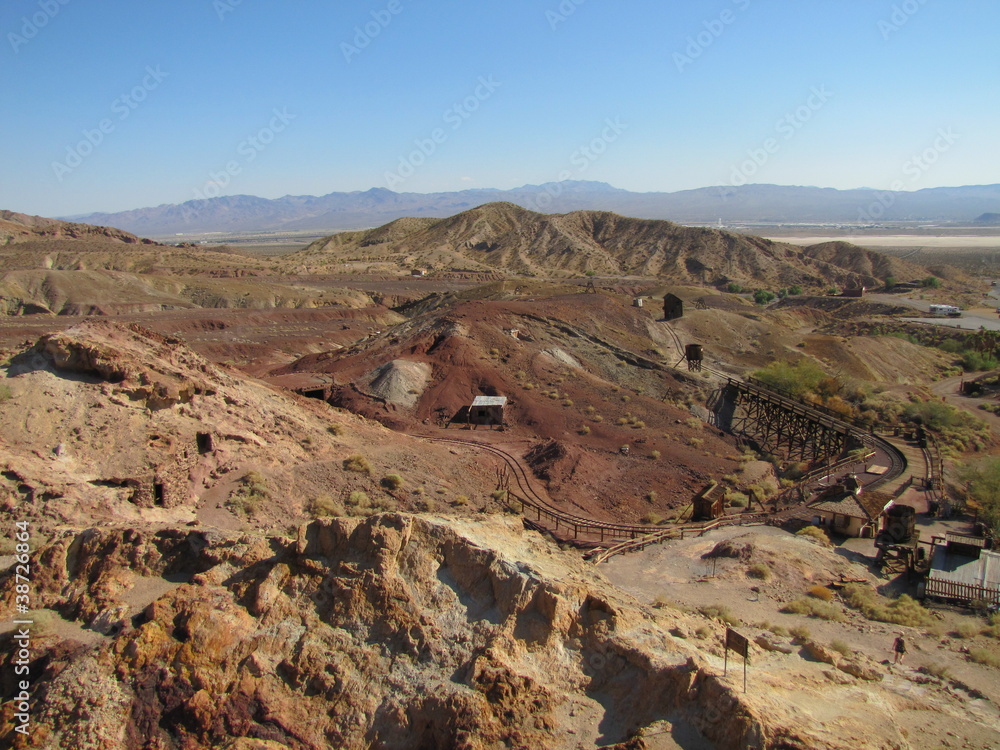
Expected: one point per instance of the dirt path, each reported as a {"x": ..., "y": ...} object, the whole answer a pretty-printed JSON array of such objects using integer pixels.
[{"x": 949, "y": 390}]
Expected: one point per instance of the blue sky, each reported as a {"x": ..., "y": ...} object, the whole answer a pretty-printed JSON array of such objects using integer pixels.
[{"x": 121, "y": 105}]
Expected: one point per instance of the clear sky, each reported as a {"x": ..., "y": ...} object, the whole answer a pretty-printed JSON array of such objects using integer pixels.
[{"x": 122, "y": 104}]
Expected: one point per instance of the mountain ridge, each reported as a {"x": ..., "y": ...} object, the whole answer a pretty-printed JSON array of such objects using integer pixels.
[{"x": 377, "y": 206}]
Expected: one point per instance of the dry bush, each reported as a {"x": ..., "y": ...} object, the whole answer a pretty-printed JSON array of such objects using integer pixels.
[
  {"x": 392, "y": 481},
  {"x": 720, "y": 612},
  {"x": 251, "y": 493},
  {"x": 842, "y": 648},
  {"x": 358, "y": 463},
  {"x": 902, "y": 611},
  {"x": 324, "y": 505},
  {"x": 821, "y": 592},
  {"x": 335, "y": 429},
  {"x": 800, "y": 633},
  {"x": 814, "y": 608},
  {"x": 651, "y": 519},
  {"x": 816, "y": 534},
  {"x": 760, "y": 571},
  {"x": 655, "y": 455},
  {"x": 989, "y": 657}
]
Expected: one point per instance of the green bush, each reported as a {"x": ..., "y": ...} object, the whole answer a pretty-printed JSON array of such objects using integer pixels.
[
  {"x": 250, "y": 494},
  {"x": 733, "y": 288},
  {"x": 797, "y": 378},
  {"x": 5, "y": 393},
  {"x": 763, "y": 297},
  {"x": 794, "y": 290}
]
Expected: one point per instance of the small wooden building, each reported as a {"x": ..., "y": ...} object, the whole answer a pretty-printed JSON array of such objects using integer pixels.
[
  {"x": 487, "y": 410},
  {"x": 842, "y": 510},
  {"x": 673, "y": 307},
  {"x": 963, "y": 570},
  {"x": 709, "y": 503}
]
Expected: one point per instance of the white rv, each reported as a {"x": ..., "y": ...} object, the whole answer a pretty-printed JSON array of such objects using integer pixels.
[{"x": 949, "y": 310}]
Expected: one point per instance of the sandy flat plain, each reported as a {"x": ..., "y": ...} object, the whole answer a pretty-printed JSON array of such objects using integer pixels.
[{"x": 900, "y": 240}]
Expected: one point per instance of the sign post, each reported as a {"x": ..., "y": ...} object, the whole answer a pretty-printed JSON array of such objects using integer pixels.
[{"x": 740, "y": 645}]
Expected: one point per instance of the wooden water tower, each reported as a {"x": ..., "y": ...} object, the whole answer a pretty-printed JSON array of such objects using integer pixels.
[{"x": 693, "y": 354}]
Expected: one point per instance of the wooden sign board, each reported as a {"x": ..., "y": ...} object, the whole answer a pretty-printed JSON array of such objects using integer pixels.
[{"x": 737, "y": 643}]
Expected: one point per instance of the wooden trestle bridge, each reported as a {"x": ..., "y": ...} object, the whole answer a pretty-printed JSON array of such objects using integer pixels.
[{"x": 775, "y": 421}]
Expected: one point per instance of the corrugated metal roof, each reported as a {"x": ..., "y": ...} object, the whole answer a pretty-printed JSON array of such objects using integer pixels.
[
  {"x": 961, "y": 569},
  {"x": 489, "y": 401}
]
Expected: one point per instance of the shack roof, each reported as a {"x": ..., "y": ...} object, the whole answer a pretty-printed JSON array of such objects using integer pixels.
[
  {"x": 982, "y": 571},
  {"x": 867, "y": 506},
  {"x": 489, "y": 401}
]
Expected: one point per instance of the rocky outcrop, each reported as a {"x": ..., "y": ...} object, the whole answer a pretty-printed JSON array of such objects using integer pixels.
[{"x": 395, "y": 631}]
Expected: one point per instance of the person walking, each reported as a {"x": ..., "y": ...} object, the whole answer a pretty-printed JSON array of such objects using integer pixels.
[{"x": 899, "y": 648}]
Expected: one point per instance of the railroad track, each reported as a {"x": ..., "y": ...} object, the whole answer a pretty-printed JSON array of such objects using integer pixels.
[{"x": 530, "y": 498}]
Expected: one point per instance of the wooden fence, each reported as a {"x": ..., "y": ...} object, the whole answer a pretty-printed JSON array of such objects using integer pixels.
[{"x": 964, "y": 592}]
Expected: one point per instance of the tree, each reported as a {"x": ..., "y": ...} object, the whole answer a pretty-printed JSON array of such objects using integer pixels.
[
  {"x": 931, "y": 282},
  {"x": 983, "y": 481},
  {"x": 890, "y": 282},
  {"x": 763, "y": 297},
  {"x": 798, "y": 379}
]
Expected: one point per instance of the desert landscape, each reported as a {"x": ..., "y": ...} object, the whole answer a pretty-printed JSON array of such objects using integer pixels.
[{"x": 259, "y": 506}]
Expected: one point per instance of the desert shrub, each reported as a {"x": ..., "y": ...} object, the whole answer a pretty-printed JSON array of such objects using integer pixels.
[
  {"x": 966, "y": 630},
  {"x": 5, "y": 393},
  {"x": 567, "y": 402},
  {"x": 499, "y": 495},
  {"x": 800, "y": 633},
  {"x": 759, "y": 571},
  {"x": 662, "y": 602},
  {"x": 335, "y": 429},
  {"x": 460, "y": 501},
  {"x": 359, "y": 504},
  {"x": 392, "y": 481},
  {"x": 651, "y": 496},
  {"x": 733, "y": 288},
  {"x": 598, "y": 418},
  {"x": 622, "y": 421},
  {"x": 958, "y": 430},
  {"x": 720, "y": 612},
  {"x": 695, "y": 442},
  {"x": 737, "y": 499},
  {"x": 820, "y": 592},
  {"x": 936, "y": 669},
  {"x": 931, "y": 282},
  {"x": 324, "y": 505},
  {"x": 426, "y": 505},
  {"x": 651, "y": 519},
  {"x": 585, "y": 430},
  {"x": 794, "y": 290},
  {"x": 815, "y": 534},
  {"x": 694, "y": 423},
  {"x": 990, "y": 657},
  {"x": 655, "y": 455},
  {"x": 250, "y": 494},
  {"x": 638, "y": 425},
  {"x": 704, "y": 632},
  {"x": 902, "y": 611},
  {"x": 813, "y": 608},
  {"x": 780, "y": 630},
  {"x": 358, "y": 463},
  {"x": 842, "y": 648}
]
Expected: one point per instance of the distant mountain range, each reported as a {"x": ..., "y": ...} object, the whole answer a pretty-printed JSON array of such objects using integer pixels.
[{"x": 745, "y": 204}]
